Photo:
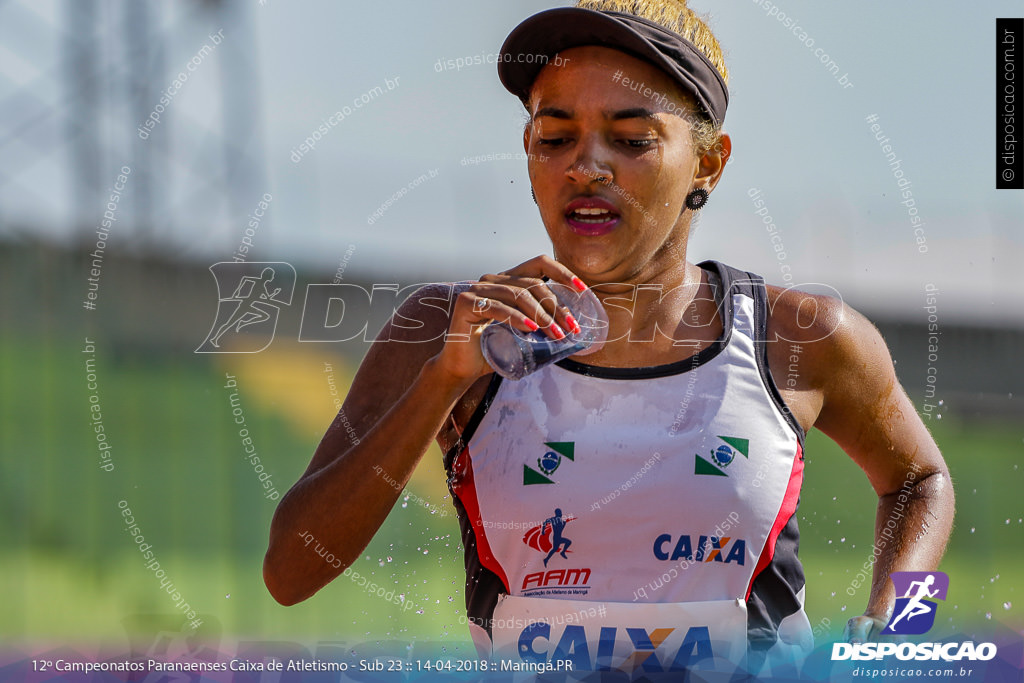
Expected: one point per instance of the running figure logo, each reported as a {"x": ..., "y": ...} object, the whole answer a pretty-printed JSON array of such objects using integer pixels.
[
  {"x": 548, "y": 538},
  {"x": 557, "y": 540},
  {"x": 914, "y": 612},
  {"x": 258, "y": 291}
]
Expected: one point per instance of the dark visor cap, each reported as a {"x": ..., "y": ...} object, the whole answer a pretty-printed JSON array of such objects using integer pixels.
[{"x": 552, "y": 31}]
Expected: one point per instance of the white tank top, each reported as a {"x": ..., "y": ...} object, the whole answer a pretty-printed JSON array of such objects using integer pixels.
[{"x": 670, "y": 484}]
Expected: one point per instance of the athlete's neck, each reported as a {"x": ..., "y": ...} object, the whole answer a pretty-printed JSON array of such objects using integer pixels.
[{"x": 646, "y": 315}]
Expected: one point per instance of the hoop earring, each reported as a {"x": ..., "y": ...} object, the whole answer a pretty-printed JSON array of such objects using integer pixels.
[{"x": 697, "y": 198}]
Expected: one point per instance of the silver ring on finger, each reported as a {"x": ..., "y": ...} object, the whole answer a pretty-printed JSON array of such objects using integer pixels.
[{"x": 481, "y": 305}]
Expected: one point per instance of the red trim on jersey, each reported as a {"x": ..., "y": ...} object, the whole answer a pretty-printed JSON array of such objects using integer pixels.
[
  {"x": 786, "y": 511},
  {"x": 464, "y": 486}
]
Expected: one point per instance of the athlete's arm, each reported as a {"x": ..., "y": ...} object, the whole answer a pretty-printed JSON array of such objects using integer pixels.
[
  {"x": 411, "y": 378},
  {"x": 396, "y": 404},
  {"x": 855, "y": 398}
]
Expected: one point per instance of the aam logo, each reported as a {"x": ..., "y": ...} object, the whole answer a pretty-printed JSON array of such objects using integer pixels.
[
  {"x": 708, "y": 549},
  {"x": 556, "y": 578},
  {"x": 548, "y": 538},
  {"x": 914, "y": 612}
]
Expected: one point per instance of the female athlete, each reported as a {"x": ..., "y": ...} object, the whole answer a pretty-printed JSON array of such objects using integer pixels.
[{"x": 696, "y": 555}]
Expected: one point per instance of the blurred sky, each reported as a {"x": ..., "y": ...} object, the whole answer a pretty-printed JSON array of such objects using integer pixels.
[{"x": 927, "y": 72}]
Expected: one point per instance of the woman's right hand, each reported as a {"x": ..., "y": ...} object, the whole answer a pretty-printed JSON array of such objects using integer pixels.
[{"x": 519, "y": 297}]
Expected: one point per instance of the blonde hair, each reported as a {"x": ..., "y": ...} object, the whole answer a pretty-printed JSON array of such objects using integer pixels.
[{"x": 675, "y": 16}]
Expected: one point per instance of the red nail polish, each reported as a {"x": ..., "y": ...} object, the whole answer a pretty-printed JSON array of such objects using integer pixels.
[
  {"x": 579, "y": 284},
  {"x": 532, "y": 325},
  {"x": 558, "y": 331},
  {"x": 572, "y": 323}
]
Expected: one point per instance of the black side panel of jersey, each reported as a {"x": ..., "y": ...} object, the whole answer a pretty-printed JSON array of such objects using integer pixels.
[
  {"x": 482, "y": 585},
  {"x": 773, "y": 597}
]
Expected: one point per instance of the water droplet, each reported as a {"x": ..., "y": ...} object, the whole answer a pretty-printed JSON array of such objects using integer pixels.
[
  {"x": 988, "y": 615},
  {"x": 1007, "y": 521},
  {"x": 833, "y": 594},
  {"x": 843, "y": 608},
  {"x": 939, "y": 416},
  {"x": 843, "y": 539},
  {"x": 425, "y": 552},
  {"x": 1007, "y": 605},
  {"x": 228, "y": 595},
  {"x": 941, "y": 402},
  {"x": 405, "y": 505},
  {"x": 389, "y": 558},
  {"x": 972, "y": 529}
]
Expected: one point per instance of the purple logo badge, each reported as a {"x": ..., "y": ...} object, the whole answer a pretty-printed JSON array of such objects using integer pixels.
[{"x": 916, "y": 592}]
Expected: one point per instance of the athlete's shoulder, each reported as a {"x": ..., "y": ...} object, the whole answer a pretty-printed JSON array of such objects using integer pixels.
[
  {"x": 798, "y": 316},
  {"x": 792, "y": 314},
  {"x": 837, "y": 343}
]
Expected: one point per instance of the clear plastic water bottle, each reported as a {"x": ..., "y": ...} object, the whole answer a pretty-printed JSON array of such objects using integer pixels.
[{"x": 514, "y": 354}]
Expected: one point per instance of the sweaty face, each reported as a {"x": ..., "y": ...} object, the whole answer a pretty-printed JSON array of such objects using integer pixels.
[{"x": 604, "y": 114}]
